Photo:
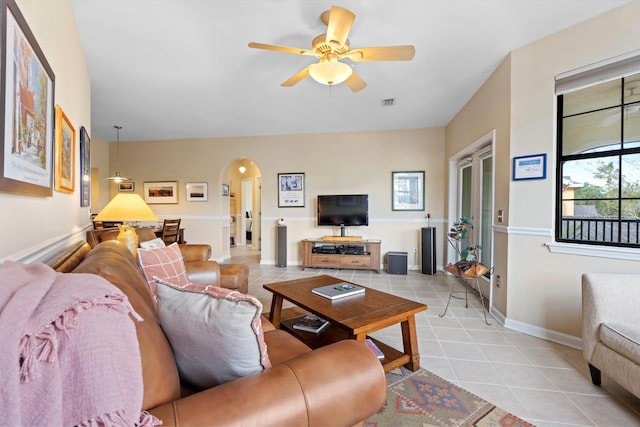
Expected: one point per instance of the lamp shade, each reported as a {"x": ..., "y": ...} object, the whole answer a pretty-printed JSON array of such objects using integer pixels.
[
  {"x": 330, "y": 72},
  {"x": 126, "y": 207}
]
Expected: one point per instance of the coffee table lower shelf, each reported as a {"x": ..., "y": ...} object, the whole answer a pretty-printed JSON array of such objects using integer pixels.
[{"x": 332, "y": 333}]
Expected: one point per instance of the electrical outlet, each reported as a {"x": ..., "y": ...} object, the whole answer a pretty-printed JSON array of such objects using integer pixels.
[{"x": 497, "y": 280}]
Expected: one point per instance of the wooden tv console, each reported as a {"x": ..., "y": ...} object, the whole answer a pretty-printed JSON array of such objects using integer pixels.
[{"x": 370, "y": 260}]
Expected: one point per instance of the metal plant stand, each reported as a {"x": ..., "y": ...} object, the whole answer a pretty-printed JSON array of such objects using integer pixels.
[
  {"x": 466, "y": 291},
  {"x": 468, "y": 268}
]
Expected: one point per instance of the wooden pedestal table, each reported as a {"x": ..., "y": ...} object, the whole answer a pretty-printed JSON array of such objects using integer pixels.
[{"x": 351, "y": 317}]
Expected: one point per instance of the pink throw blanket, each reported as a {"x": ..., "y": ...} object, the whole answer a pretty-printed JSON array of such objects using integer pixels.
[{"x": 69, "y": 352}]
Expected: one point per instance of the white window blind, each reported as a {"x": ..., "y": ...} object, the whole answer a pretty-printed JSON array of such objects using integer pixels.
[{"x": 603, "y": 71}]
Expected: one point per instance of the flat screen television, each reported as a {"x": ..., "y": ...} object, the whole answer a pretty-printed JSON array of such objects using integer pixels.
[{"x": 343, "y": 210}]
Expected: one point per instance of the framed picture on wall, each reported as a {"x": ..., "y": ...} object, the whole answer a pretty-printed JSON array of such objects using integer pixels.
[
  {"x": 65, "y": 153},
  {"x": 225, "y": 189},
  {"x": 407, "y": 191},
  {"x": 85, "y": 167},
  {"x": 530, "y": 167},
  {"x": 291, "y": 190},
  {"x": 197, "y": 191},
  {"x": 126, "y": 186},
  {"x": 158, "y": 192},
  {"x": 27, "y": 155}
]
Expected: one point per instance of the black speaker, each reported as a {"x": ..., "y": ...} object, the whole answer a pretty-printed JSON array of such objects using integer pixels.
[
  {"x": 397, "y": 263},
  {"x": 428, "y": 250},
  {"x": 282, "y": 246}
]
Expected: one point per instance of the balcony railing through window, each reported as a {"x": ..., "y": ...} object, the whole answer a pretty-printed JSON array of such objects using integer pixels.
[{"x": 601, "y": 231}]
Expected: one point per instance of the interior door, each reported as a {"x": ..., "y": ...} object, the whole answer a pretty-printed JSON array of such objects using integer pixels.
[
  {"x": 475, "y": 201},
  {"x": 257, "y": 219}
]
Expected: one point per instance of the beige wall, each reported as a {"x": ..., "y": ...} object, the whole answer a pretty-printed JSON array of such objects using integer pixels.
[
  {"x": 354, "y": 162},
  {"x": 550, "y": 297},
  {"x": 32, "y": 223},
  {"x": 489, "y": 110},
  {"x": 543, "y": 291}
]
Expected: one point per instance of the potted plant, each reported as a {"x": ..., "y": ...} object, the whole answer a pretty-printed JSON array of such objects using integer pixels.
[{"x": 468, "y": 264}]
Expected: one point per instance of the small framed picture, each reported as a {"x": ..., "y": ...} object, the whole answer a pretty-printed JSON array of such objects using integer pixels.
[
  {"x": 65, "y": 153},
  {"x": 157, "y": 192},
  {"x": 126, "y": 186},
  {"x": 291, "y": 190},
  {"x": 225, "y": 189},
  {"x": 197, "y": 192},
  {"x": 530, "y": 167}
]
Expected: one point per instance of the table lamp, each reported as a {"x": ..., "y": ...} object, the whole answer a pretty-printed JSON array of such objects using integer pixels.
[{"x": 127, "y": 207}]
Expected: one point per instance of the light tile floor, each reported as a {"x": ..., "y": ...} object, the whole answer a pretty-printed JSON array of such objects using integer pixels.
[{"x": 545, "y": 383}]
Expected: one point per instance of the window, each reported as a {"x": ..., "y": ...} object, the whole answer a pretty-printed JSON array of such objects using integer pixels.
[{"x": 598, "y": 170}]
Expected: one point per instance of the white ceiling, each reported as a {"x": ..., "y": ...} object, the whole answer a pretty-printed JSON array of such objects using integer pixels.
[{"x": 173, "y": 69}]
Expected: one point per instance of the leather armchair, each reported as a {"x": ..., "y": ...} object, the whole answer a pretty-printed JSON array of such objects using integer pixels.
[{"x": 199, "y": 268}]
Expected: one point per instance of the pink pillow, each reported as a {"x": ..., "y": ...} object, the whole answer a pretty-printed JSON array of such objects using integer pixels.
[
  {"x": 165, "y": 263},
  {"x": 215, "y": 333}
]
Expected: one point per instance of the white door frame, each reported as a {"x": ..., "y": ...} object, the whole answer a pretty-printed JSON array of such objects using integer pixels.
[{"x": 475, "y": 148}]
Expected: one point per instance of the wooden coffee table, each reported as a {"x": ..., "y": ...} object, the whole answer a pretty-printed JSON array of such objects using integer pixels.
[{"x": 351, "y": 317}]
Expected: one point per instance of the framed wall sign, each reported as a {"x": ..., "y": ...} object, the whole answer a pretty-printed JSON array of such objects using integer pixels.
[
  {"x": 225, "y": 189},
  {"x": 85, "y": 167},
  {"x": 65, "y": 153},
  {"x": 407, "y": 191},
  {"x": 291, "y": 190},
  {"x": 530, "y": 167},
  {"x": 197, "y": 191},
  {"x": 26, "y": 112},
  {"x": 157, "y": 192}
]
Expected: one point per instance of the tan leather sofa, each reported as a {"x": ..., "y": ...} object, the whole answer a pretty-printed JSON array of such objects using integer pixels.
[
  {"x": 196, "y": 256},
  {"x": 611, "y": 327},
  {"x": 337, "y": 385}
]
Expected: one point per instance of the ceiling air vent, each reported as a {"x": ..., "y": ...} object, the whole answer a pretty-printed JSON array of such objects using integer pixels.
[{"x": 388, "y": 102}]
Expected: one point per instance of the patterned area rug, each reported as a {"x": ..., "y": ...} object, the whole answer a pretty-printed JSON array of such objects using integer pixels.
[{"x": 424, "y": 399}]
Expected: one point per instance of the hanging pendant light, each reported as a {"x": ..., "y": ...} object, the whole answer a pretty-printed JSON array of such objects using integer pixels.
[{"x": 117, "y": 177}]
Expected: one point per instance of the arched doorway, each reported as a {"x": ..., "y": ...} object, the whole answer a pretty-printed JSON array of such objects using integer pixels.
[{"x": 245, "y": 208}]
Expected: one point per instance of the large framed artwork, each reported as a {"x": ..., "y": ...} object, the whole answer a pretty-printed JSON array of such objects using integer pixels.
[
  {"x": 27, "y": 80},
  {"x": 65, "y": 153},
  {"x": 291, "y": 190},
  {"x": 85, "y": 167},
  {"x": 407, "y": 191},
  {"x": 157, "y": 192}
]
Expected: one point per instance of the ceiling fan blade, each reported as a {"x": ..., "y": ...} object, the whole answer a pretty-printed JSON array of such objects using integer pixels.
[
  {"x": 339, "y": 25},
  {"x": 300, "y": 75},
  {"x": 388, "y": 53},
  {"x": 280, "y": 48},
  {"x": 355, "y": 82}
]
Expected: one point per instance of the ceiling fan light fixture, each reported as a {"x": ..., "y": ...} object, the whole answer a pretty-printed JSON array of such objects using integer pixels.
[{"x": 330, "y": 72}]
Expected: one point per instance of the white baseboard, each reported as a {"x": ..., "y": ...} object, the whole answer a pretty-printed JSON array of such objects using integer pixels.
[{"x": 545, "y": 334}]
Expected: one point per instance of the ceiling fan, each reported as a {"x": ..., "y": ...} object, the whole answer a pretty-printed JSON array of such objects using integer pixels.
[{"x": 333, "y": 46}]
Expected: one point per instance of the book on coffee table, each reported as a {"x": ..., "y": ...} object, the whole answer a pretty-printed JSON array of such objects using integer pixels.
[
  {"x": 376, "y": 350},
  {"x": 311, "y": 323},
  {"x": 338, "y": 290}
]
